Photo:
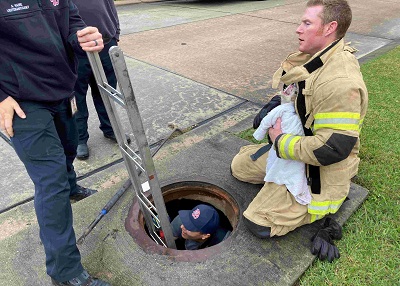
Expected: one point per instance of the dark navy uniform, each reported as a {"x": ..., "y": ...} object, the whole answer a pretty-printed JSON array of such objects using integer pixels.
[
  {"x": 38, "y": 70},
  {"x": 103, "y": 15}
]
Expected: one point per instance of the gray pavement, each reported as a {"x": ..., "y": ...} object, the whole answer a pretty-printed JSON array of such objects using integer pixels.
[{"x": 203, "y": 62}]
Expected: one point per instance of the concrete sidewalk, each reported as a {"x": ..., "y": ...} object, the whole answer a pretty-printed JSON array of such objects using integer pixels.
[
  {"x": 207, "y": 63},
  {"x": 129, "y": 2}
]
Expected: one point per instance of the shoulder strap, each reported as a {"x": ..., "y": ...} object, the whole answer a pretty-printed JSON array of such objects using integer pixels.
[{"x": 313, "y": 179}]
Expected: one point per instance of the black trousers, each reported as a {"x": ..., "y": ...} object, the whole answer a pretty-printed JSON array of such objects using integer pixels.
[{"x": 46, "y": 143}]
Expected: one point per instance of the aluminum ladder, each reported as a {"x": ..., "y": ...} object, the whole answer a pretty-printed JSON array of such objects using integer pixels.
[{"x": 155, "y": 215}]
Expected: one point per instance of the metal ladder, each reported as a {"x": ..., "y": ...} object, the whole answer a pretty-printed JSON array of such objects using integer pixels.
[{"x": 155, "y": 215}]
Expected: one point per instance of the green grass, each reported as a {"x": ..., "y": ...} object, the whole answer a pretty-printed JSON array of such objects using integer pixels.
[{"x": 370, "y": 247}]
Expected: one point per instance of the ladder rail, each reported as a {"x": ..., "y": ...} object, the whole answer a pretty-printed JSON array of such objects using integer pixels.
[
  {"x": 102, "y": 83},
  {"x": 126, "y": 99}
]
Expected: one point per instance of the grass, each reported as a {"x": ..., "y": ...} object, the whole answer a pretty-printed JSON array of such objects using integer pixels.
[{"x": 370, "y": 247}]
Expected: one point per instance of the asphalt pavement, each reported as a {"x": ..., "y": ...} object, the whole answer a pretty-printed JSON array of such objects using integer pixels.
[{"x": 206, "y": 64}]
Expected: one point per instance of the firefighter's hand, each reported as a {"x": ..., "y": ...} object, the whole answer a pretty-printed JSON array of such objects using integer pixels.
[
  {"x": 322, "y": 241},
  {"x": 274, "y": 102},
  {"x": 275, "y": 130},
  {"x": 7, "y": 108},
  {"x": 90, "y": 39},
  {"x": 323, "y": 246}
]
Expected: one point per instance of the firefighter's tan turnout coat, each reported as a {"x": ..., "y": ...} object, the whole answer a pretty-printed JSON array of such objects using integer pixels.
[{"x": 336, "y": 102}]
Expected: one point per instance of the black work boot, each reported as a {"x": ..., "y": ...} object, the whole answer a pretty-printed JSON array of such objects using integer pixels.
[
  {"x": 110, "y": 136},
  {"x": 258, "y": 230},
  {"x": 82, "y": 280},
  {"x": 82, "y": 151},
  {"x": 82, "y": 193}
]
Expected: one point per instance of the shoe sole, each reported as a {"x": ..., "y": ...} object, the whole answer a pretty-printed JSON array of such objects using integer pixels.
[
  {"x": 82, "y": 157},
  {"x": 111, "y": 139}
]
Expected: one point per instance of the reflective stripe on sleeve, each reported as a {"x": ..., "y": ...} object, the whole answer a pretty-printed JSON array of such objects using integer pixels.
[
  {"x": 286, "y": 146},
  {"x": 325, "y": 207},
  {"x": 337, "y": 120}
]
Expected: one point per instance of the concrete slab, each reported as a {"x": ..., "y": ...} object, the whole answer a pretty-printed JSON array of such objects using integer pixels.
[
  {"x": 228, "y": 6},
  {"x": 15, "y": 184},
  {"x": 368, "y": 32},
  {"x": 205, "y": 52},
  {"x": 24, "y": 259},
  {"x": 380, "y": 18},
  {"x": 366, "y": 20},
  {"x": 150, "y": 16},
  {"x": 22, "y": 215},
  {"x": 111, "y": 253},
  {"x": 239, "y": 62},
  {"x": 162, "y": 97},
  {"x": 365, "y": 44}
]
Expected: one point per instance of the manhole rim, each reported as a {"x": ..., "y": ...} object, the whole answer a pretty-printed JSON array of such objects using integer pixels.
[{"x": 134, "y": 224}]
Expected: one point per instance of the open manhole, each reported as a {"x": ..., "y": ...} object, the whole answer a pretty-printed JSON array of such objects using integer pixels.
[{"x": 185, "y": 196}]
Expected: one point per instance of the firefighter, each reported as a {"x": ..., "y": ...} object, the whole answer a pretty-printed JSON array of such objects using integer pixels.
[
  {"x": 37, "y": 76},
  {"x": 198, "y": 228},
  {"x": 331, "y": 103}
]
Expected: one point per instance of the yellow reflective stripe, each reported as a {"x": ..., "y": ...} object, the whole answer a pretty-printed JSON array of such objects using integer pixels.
[
  {"x": 289, "y": 147},
  {"x": 337, "y": 120},
  {"x": 282, "y": 144},
  {"x": 325, "y": 207},
  {"x": 361, "y": 123},
  {"x": 315, "y": 217},
  {"x": 286, "y": 147},
  {"x": 353, "y": 115}
]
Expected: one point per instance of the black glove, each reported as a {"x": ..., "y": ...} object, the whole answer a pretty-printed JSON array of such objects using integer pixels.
[
  {"x": 322, "y": 242},
  {"x": 334, "y": 228},
  {"x": 274, "y": 102}
]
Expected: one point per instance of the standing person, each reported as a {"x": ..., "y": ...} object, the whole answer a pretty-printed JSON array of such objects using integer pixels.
[
  {"x": 37, "y": 76},
  {"x": 331, "y": 103},
  {"x": 103, "y": 15}
]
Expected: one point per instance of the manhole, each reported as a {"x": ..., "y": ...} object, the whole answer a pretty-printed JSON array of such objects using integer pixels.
[{"x": 186, "y": 195}]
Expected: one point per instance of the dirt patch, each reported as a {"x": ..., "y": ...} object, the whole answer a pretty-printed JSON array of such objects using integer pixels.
[
  {"x": 11, "y": 227},
  {"x": 115, "y": 179}
]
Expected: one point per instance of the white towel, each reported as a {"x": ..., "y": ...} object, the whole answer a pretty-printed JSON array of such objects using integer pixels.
[{"x": 290, "y": 173}]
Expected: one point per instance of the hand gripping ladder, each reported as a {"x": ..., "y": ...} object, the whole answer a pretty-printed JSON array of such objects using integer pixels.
[{"x": 155, "y": 215}]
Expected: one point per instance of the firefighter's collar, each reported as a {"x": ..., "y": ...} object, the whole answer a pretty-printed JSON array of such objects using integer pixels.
[{"x": 298, "y": 66}]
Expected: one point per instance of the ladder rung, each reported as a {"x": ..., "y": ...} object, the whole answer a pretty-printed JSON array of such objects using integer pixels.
[
  {"x": 149, "y": 209},
  {"x": 158, "y": 240},
  {"x": 113, "y": 93},
  {"x": 139, "y": 165}
]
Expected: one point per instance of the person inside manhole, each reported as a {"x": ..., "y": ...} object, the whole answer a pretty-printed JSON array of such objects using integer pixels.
[
  {"x": 331, "y": 102},
  {"x": 198, "y": 228}
]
